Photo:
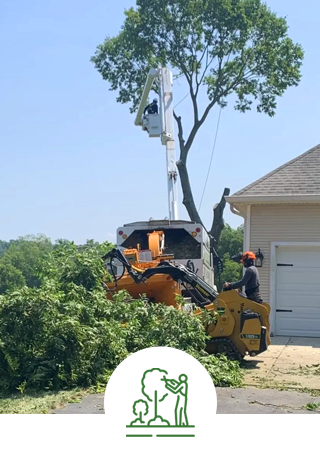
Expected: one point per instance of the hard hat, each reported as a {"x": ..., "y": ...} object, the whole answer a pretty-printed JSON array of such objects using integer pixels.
[
  {"x": 155, "y": 100},
  {"x": 249, "y": 255}
]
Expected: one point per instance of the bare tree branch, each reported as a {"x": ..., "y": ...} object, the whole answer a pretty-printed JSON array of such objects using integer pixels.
[
  {"x": 208, "y": 64},
  {"x": 180, "y": 132},
  {"x": 188, "y": 200},
  {"x": 216, "y": 96},
  {"x": 205, "y": 51},
  {"x": 218, "y": 222}
]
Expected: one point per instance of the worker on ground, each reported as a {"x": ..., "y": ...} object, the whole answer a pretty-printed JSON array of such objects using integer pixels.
[
  {"x": 152, "y": 108},
  {"x": 250, "y": 279}
]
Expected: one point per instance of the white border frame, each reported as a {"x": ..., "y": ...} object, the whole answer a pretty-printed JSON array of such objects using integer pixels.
[{"x": 273, "y": 274}]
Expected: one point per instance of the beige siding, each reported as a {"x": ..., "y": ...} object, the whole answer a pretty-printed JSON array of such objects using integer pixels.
[{"x": 282, "y": 223}]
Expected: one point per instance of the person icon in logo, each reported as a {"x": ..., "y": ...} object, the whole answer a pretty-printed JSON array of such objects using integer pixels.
[{"x": 181, "y": 390}]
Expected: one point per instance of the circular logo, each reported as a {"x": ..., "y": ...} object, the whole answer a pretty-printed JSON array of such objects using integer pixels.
[{"x": 160, "y": 395}]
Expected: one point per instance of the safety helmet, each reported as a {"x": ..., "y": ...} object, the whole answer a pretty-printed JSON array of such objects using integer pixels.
[
  {"x": 248, "y": 256},
  {"x": 155, "y": 100}
]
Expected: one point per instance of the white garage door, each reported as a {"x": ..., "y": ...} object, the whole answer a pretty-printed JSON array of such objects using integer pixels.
[{"x": 298, "y": 291}]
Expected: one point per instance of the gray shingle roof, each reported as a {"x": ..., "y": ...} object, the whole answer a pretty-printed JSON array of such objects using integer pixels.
[{"x": 300, "y": 176}]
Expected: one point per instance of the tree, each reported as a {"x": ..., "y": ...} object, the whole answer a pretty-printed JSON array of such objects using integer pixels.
[
  {"x": 10, "y": 278},
  {"x": 26, "y": 255},
  {"x": 231, "y": 240},
  {"x": 232, "y": 272},
  {"x": 62, "y": 242},
  {"x": 230, "y": 244},
  {"x": 140, "y": 408},
  {"x": 230, "y": 47},
  {"x": 153, "y": 387},
  {"x": 4, "y": 245}
]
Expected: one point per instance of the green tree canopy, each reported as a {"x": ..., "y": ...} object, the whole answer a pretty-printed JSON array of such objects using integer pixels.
[
  {"x": 4, "y": 245},
  {"x": 231, "y": 241},
  {"x": 10, "y": 278},
  {"x": 230, "y": 244},
  {"x": 236, "y": 48},
  {"x": 26, "y": 255}
]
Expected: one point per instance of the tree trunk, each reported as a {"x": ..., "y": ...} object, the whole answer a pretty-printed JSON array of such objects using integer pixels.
[
  {"x": 218, "y": 221},
  {"x": 155, "y": 404},
  {"x": 188, "y": 200}
]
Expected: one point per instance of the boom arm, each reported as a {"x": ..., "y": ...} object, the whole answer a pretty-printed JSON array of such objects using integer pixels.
[{"x": 178, "y": 273}]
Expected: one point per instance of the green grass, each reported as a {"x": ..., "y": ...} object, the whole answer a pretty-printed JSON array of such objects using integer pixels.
[
  {"x": 43, "y": 402},
  {"x": 312, "y": 406}
]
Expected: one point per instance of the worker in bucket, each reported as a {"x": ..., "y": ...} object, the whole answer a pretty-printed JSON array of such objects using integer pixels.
[
  {"x": 152, "y": 108},
  {"x": 250, "y": 279}
]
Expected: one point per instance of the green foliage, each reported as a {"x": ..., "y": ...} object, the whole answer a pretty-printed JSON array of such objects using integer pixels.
[
  {"x": 231, "y": 241},
  {"x": 224, "y": 373},
  {"x": 4, "y": 245},
  {"x": 230, "y": 244},
  {"x": 229, "y": 46},
  {"x": 10, "y": 278},
  {"x": 80, "y": 265},
  {"x": 66, "y": 333},
  {"x": 312, "y": 406},
  {"x": 232, "y": 272},
  {"x": 30, "y": 259},
  {"x": 53, "y": 340},
  {"x": 26, "y": 255}
]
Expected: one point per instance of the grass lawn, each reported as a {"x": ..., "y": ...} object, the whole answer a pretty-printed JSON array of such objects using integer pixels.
[{"x": 42, "y": 402}]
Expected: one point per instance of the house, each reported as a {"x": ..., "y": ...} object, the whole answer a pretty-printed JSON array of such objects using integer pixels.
[{"x": 281, "y": 214}]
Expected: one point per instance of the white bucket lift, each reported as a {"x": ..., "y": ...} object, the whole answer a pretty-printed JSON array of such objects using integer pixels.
[{"x": 162, "y": 125}]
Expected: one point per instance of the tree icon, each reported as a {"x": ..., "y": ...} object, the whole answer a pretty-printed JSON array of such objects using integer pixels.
[
  {"x": 140, "y": 408},
  {"x": 153, "y": 387}
]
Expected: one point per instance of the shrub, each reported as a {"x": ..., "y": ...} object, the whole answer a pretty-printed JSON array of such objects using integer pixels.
[{"x": 66, "y": 333}]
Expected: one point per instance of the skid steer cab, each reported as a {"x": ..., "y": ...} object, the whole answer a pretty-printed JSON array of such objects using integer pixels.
[{"x": 237, "y": 325}]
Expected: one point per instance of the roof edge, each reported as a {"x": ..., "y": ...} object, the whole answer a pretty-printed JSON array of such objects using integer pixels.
[
  {"x": 276, "y": 170},
  {"x": 254, "y": 199}
]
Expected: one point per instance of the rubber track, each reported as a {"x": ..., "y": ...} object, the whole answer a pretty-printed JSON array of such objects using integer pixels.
[{"x": 230, "y": 343}]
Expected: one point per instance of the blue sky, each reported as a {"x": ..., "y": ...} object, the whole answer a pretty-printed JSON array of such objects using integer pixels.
[{"x": 73, "y": 165}]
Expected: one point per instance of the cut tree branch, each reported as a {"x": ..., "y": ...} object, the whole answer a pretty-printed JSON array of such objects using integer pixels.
[
  {"x": 180, "y": 131},
  {"x": 218, "y": 222}
]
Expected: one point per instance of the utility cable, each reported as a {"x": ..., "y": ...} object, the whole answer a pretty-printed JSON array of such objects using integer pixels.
[
  {"x": 213, "y": 149},
  {"x": 182, "y": 100}
]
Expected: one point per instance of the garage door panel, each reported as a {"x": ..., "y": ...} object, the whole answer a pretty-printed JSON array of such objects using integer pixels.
[
  {"x": 299, "y": 257},
  {"x": 309, "y": 291},
  {"x": 292, "y": 327},
  {"x": 296, "y": 275},
  {"x": 299, "y": 301},
  {"x": 298, "y": 290}
]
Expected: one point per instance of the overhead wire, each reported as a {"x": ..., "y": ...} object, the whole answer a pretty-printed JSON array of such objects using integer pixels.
[
  {"x": 182, "y": 100},
  {"x": 212, "y": 153},
  {"x": 213, "y": 148}
]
